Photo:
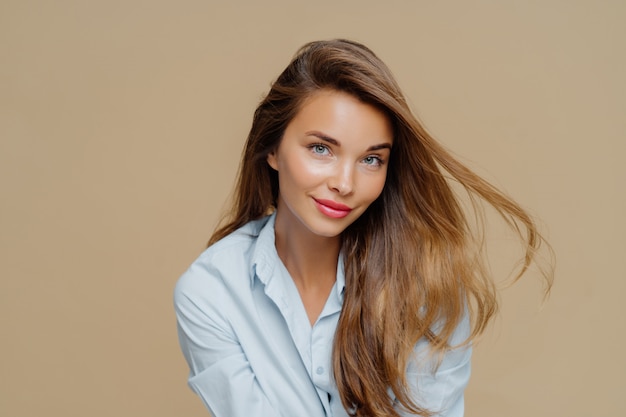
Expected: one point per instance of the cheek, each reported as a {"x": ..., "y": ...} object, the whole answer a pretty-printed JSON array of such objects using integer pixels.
[
  {"x": 376, "y": 187},
  {"x": 379, "y": 190},
  {"x": 300, "y": 173}
]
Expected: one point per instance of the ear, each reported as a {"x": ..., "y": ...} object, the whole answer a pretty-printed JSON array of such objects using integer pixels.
[{"x": 272, "y": 160}]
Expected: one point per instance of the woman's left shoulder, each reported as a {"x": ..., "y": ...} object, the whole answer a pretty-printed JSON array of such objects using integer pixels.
[{"x": 458, "y": 354}]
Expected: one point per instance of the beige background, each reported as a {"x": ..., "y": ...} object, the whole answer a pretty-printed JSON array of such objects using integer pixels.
[{"x": 121, "y": 124}]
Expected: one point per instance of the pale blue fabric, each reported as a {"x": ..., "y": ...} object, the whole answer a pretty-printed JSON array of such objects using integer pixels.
[{"x": 251, "y": 349}]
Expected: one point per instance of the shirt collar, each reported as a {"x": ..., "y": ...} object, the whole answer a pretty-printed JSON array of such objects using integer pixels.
[
  {"x": 265, "y": 257},
  {"x": 340, "y": 284}
]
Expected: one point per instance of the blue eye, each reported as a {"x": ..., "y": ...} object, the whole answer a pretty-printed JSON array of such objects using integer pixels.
[
  {"x": 319, "y": 149},
  {"x": 372, "y": 161}
]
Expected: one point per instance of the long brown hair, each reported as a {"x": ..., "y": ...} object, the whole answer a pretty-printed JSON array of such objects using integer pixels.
[{"x": 410, "y": 260}]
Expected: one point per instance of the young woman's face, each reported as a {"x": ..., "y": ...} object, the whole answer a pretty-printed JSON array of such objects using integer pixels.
[{"x": 331, "y": 163}]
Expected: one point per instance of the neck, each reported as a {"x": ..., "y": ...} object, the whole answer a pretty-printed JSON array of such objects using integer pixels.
[{"x": 310, "y": 259}]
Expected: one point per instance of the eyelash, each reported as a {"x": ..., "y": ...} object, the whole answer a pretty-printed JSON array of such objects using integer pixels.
[
  {"x": 314, "y": 147},
  {"x": 379, "y": 161}
]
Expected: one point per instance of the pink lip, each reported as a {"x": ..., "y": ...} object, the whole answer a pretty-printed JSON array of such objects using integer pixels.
[{"x": 332, "y": 208}]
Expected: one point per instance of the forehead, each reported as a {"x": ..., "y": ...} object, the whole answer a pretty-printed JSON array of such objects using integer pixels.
[{"x": 342, "y": 115}]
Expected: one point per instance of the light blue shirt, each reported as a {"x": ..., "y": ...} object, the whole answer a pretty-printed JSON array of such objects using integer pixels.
[{"x": 252, "y": 351}]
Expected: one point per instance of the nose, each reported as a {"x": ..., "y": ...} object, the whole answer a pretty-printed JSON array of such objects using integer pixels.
[{"x": 342, "y": 180}]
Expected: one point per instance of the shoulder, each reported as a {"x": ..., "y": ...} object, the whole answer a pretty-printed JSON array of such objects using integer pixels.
[
  {"x": 459, "y": 353},
  {"x": 225, "y": 266}
]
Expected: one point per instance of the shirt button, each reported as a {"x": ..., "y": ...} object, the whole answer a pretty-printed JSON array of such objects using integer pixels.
[{"x": 319, "y": 370}]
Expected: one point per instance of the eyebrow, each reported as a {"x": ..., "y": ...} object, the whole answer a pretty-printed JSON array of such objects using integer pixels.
[{"x": 335, "y": 142}]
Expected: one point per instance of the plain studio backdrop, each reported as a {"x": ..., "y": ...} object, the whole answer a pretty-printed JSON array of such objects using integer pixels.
[{"x": 121, "y": 125}]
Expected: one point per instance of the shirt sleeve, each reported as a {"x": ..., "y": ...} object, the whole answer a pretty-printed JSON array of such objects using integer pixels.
[
  {"x": 441, "y": 390},
  {"x": 219, "y": 371}
]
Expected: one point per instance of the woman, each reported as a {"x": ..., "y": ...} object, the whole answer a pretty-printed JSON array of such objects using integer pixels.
[{"x": 347, "y": 280}]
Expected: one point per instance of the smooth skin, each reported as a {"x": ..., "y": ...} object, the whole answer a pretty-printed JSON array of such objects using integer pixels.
[{"x": 332, "y": 164}]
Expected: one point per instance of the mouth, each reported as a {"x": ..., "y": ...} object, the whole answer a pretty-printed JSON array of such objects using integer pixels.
[{"x": 332, "y": 208}]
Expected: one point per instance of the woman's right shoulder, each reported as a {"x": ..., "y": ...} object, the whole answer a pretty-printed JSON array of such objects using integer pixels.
[{"x": 225, "y": 265}]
